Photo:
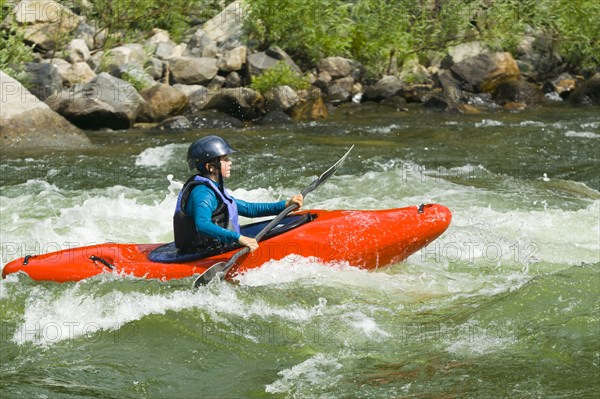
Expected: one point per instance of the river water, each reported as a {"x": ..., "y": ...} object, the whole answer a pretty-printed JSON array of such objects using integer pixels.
[{"x": 506, "y": 303}]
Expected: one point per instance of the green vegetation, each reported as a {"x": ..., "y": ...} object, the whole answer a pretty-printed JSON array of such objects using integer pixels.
[
  {"x": 380, "y": 34},
  {"x": 279, "y": 75},
  {"x": 124, "y": 20},
  {"x": 14, "y": 53}
]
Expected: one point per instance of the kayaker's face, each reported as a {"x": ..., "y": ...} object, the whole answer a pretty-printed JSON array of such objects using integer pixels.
[{"x": 225, "y": 166}]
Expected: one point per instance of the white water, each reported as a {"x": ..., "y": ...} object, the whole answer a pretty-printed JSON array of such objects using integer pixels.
[{"x": 492, "y": 246}]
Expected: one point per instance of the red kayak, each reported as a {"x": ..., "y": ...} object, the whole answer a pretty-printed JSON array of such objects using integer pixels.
[{"x": 365, "y": 239}]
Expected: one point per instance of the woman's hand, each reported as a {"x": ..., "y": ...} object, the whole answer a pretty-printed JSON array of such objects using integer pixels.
[
  {"x": 251, "y": 243},
  {"x": 296, "y": 199}
]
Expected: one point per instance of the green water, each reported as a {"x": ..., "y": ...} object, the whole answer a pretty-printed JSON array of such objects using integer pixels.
[{"x": 505, "y": 304}]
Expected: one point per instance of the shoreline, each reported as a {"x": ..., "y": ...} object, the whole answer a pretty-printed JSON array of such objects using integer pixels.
[{"x": 215, "y": 79}]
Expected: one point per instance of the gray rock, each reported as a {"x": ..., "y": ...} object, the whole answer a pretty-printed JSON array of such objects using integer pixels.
[
  {"x": 93, "y": 39},
  {"x": 201, "y": 45},
  {"x": 336, "y": 67},
  {"x": 519, "y": 91},
  {"x": 260, "y": 62},
  {"x": 44, "y": 21},
  {"x": 96, "y": 60},
  {"x": 179, "y": 122},
  {"x": 133, "y": 71},
  {"x": 105, "y": 102},
  {"x": 233, "y": 60},
  {"x": 77, "y": 51},
  {"x": 588, "y": 93},
  {"x": 387, "y": 86},
  {"x": 43, "y": 79},
  {"x": 78, "y": 73},
  {"x": 278, "y": 53},
  {"x": 340, "y": 90},
  {"x": 276, "y": 118},
  {"x": 214, "y": 119},
  {"x": 188, "y": 89},
  {"x": 451, "y": 91},
  {"x": 155, "y": 68},
  {"x": 281, "y": 98},
  {"x": 28, "y": 123},
  {"x": 323, "y": 80},
  {"x": 187, "y": 70},
  {"x": 117, "y": 57},
  {"x": 226, "y": 28},
  {"x": 159, "y": 36},
  {"x": 485, "y": 71},
  {"x": 538, "y": 54},
  {"x": 233, "y": 80},
  {"x": 162, "y": 101},
  {"x": 217, "y": 83},
  {"x": 463, "y": 51},
  {"x": 241, "y": 103},
  {"x": 198, "y": 99},
  {"x": 169, "y": 50}
]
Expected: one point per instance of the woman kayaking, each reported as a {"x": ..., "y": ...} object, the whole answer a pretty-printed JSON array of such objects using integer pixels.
[{"x": 206, "y": 215}]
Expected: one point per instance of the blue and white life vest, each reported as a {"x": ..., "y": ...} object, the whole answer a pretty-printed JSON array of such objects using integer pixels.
[{"x": 187, "y": 239}]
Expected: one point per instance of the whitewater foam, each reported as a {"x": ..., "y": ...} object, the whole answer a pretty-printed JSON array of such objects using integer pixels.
[{"x": 158, "y": 156}]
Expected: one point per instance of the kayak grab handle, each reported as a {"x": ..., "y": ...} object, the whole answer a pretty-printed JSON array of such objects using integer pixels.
[
  {"x": 103, "y": 261},
  {"x": 26, "y": 259},
  {"x": 421, "y": 208}
]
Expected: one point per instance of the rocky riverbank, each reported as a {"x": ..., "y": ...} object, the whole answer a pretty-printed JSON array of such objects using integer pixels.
[{"x": 205, "y": 80}]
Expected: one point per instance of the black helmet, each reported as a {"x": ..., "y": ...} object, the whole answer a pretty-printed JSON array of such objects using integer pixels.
[{"x": 206, "y": 149}]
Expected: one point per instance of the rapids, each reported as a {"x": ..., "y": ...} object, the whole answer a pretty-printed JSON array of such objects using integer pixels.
[{"x": 504, "y": 304}]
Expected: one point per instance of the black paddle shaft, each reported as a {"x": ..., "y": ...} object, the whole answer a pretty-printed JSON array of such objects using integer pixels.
[{"x": 221, "y": 268}]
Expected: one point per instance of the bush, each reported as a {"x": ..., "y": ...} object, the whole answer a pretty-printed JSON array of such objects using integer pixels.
[
  {"x": 279, "y": 75},
  {"x": 124, "y": 20},
  {"x": 14, "y": 53}
]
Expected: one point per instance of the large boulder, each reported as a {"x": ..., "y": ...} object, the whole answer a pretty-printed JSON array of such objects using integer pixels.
[
  {"x": 241, "y": 103},
  {"x": 44, "y": 21},
  {"x": 484, "y": 72},
  {"x": 28, "y": 123},
  {"x": 190, "y": 71},
  {"x": 162, "y": 101},
  {"x": 105, "y": 102}
]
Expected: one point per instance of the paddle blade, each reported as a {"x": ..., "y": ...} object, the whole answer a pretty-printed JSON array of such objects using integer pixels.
[
  {"x": 211, "y": 273},
  {"x": 327, "y": 174}
]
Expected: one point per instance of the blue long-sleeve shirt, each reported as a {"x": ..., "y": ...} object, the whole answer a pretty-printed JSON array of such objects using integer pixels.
[{"x": 203, "y": 201}]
